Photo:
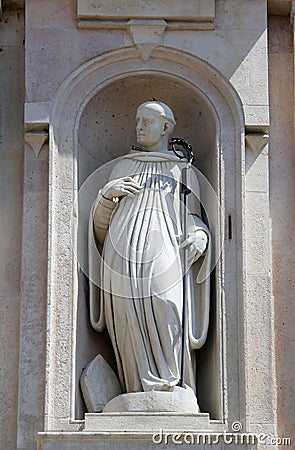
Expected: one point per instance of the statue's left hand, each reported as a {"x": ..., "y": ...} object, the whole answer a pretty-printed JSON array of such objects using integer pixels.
[{"x": 196, "y": 242}]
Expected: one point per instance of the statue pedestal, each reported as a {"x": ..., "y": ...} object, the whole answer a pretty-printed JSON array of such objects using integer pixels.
[
  {"x": 131, "y": 431},
  {"x": 179, "y": 400},
  {"x": 148, "y": 423}
]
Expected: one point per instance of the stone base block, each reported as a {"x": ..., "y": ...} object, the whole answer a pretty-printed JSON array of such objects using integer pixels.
[
  {"x": 148, "y": 431},
  {"x": 179, "y": 400},
  {"x": 148, "y": 422},
  {"x": 126, "y": 441}
]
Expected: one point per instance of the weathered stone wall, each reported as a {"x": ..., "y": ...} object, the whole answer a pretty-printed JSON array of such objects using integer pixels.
[
  {"x": 11, "y": 187},
  {"x": 282, "y": 212},
  {"x": 236, "y": 48}
]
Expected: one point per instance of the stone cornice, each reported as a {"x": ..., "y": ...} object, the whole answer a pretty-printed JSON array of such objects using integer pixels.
[{"x": 188, "y": 14}]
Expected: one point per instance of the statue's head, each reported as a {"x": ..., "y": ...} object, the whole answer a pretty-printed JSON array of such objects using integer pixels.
[{"x": 154, "y": 124}]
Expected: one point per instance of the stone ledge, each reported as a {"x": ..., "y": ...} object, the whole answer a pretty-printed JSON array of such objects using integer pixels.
[
  {"x": 134, "y": 441},
  {"x": 188, "y": 14},
  {"x": 256, "y": 118},
  {"x": 37, "y": 116},
  {"x": 150, "y": 422},
  {"x": 122, "y": 25}
]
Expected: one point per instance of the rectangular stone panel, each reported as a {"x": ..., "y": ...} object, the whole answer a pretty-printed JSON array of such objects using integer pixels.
[
  {"x": 135, "y": 441},
  {"x": 170, "y": 10}
]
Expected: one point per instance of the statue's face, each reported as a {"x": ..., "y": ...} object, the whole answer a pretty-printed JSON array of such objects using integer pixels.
[{"x": 150, "y": 127}]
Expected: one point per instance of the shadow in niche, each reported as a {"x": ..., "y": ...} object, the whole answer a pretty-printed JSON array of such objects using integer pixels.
[
  {"x": 207, "y": 358},
  {"x": 207, "y": 364},
  {"x": 89, "y": 342},
  {"x": 107, "y": 131}
]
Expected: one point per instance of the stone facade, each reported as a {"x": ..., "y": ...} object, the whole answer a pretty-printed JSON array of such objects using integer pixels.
[{"x": 229, "y": 64}]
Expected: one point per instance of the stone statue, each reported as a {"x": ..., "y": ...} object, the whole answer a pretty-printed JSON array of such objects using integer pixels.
[{"x": 136, "y": 220}]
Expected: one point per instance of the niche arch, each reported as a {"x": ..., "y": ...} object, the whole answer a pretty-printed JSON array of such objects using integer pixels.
[{"x": 80, "y": 100}]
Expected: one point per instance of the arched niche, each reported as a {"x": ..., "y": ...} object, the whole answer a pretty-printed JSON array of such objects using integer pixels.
[
  {"x": 92, "y": 122},
  {"x": 106, "y": 131}
]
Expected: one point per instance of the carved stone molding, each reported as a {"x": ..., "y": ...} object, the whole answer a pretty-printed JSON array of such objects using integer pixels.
[
  {"x": 187, "y": 14},
  {"x": 37, "y": 116},
  {"x": 255, "y": 143},
  {"x": 36, "y": 140},
  {"x": 146, "y": 35}
]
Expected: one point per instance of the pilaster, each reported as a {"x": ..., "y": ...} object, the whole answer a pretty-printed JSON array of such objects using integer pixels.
[
  {"x": 33, "y": 288},
  {"x": 259, "y": 293}
]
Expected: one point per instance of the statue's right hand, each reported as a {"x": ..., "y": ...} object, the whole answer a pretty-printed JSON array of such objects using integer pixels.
[{"x": 120, "y": 188}]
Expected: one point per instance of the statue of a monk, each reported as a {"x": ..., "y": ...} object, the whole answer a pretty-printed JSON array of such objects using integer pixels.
[{"x": 137, "y": 227}]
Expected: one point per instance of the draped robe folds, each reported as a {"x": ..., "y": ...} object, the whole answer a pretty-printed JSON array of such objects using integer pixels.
[{"x": 141, "y": 272}]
